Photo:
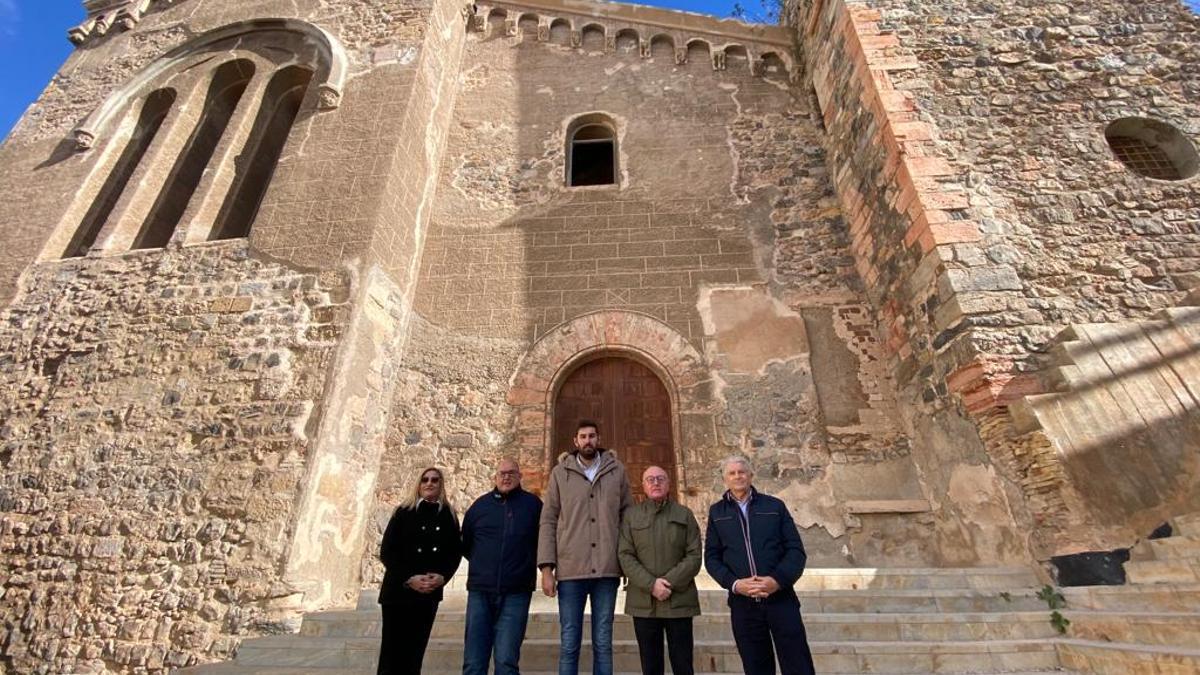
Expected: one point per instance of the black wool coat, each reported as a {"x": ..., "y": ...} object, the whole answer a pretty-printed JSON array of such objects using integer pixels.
[{"x": 418, "y": 541}]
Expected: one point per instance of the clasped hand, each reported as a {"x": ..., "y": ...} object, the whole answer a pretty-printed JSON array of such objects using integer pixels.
[
  {"x": 661, "y": 590},
  {"x": 757, "y": 587},
  {"x": 425, "y": 583}
]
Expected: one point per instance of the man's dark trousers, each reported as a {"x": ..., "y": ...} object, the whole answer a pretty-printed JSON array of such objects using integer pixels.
[
  {"x": 757, "y": 622},
  {"x": 649, "y": 633}
]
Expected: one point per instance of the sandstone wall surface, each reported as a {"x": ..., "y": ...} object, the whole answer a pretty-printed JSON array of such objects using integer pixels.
[{"x": 157, "y": 417}]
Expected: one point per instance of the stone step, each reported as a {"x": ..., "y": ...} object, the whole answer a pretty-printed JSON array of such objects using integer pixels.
[
  {"x": 866, "y": 601},
  {"x": 1148, "y": 598},
  {"x": 1183, "y": 571},
  {"x": 821, "y": 627},
  {"x": 1168, "y": 548},
  {"x": 1115, "y": 658},
  {"x": 1187, "y": 526},
  {"x": 711, "y": 656},
  {"x": 1164, "y": 629}
]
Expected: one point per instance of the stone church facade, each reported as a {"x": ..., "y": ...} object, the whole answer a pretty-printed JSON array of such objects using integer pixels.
[{"x": 927, "y": 264}]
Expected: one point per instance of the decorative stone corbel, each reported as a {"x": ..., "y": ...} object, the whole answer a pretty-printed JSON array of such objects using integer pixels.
[
  {"x": 680, "y": 56},
  {"x": 510, "y": 26},
  {"x": 103, "y": 23},
  {"x": 128, "y": 19},
  {"x": 610, "y": 44},
  {"x": 644, "y": 48},
  {"x": 84, "y": 140},
  {"x": 79, "y": 34},
  {"x": 718, "y": 60},
  {"x": 576, "y": 38},
  {"x": 480, "y": 23},
  {"x": 543, "y": 34},
  {"x": 329, "y": 97}
]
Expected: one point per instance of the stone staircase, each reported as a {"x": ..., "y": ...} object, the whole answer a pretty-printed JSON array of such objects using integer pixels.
[
  {"x": 978, "y": 620},
  {"x": 1151, "y": 625}
]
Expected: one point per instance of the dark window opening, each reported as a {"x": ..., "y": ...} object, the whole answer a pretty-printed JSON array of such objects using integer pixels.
[
  {"x": 1148, "y": 160},
  {"x": 256, "y": 166},
  {"x": 154, "y": 112},
  {"x": 228, "y": 84},
  {"x": 1152, "y": 148},
  {"x": 593, "y": 158}
]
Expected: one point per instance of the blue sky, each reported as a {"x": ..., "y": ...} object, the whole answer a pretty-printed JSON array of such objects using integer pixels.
[{"x": 33, "y": 35}]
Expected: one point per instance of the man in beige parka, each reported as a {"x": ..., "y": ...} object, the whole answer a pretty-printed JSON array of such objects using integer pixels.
[
  {"x": 660, "y": 555},
  {"x": 585, "y": 497}
]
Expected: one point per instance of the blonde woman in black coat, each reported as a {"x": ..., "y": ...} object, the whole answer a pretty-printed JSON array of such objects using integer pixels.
[{"x": 420, "y": 551}]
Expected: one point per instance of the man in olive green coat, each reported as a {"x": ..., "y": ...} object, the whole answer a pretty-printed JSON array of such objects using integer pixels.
[{"x": 660, "y": 554}]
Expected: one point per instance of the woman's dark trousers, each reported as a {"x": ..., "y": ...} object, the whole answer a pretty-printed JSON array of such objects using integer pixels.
[{"x": 406, "y": 628}]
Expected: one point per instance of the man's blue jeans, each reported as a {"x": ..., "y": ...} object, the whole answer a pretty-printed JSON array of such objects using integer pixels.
[
  {"x": 571, "y": 596},
  {"x": 495, "y": 620}
]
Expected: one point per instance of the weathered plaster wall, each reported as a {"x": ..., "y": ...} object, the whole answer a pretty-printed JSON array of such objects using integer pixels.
[{"x": 158, "y": 411}]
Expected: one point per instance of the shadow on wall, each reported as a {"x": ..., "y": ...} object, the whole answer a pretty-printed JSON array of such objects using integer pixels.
[{"x": 1123, "y": 423}]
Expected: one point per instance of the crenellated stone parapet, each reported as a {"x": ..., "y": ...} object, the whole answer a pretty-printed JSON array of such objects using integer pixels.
[{"x": 725, "y": 43}]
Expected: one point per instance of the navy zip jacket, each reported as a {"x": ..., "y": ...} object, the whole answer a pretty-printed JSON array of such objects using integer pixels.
[
  {"x": 767, "y": 546},
  {"x": 500, "y": 538}
]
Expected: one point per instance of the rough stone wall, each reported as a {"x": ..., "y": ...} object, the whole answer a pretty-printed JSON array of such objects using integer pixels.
[
  {"x": 987, "y": 210},
  {"x": 1022, "y": 94},
  {"x": 1116, "y": 441},
  {"x": 157, "y": 415},
  {"x": 914, "y": 229}
]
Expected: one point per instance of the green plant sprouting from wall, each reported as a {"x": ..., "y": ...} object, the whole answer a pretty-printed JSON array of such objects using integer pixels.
[{"x": 1055, "y": 601}]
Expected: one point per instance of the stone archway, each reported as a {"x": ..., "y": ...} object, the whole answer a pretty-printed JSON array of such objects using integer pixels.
[{"x": 630, "y": 335}]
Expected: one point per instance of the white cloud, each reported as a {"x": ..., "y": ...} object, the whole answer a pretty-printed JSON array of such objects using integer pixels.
[{"x": 10, "y": 17}]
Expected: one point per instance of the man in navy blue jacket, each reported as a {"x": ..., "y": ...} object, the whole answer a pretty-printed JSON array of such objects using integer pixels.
[
  {"x": 500, "y": 539},
  {"x": 753, "y": 549}
]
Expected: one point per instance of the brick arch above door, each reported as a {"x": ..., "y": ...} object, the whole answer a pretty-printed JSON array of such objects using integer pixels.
[{"x": 632, "y": 335}]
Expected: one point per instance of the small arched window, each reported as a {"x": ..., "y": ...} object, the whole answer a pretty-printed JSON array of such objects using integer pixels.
[{"x": 592, "y": 153}]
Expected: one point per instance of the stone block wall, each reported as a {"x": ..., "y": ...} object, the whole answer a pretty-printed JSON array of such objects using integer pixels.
[
  {"x": 914, "y": 230},
  {"x": 157, "y": 412}
]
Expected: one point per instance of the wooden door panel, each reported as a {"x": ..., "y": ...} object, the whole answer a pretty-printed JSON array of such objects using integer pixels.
[{"x": 632, "y": 407}]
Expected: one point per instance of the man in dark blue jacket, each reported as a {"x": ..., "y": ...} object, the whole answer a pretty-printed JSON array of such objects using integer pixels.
[
  {"x": 500, "y": 539},
  {"x": 753, "y": 550}
]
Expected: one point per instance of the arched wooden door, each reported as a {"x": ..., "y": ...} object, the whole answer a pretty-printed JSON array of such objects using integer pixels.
[{"x": 633, "y": 409}]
